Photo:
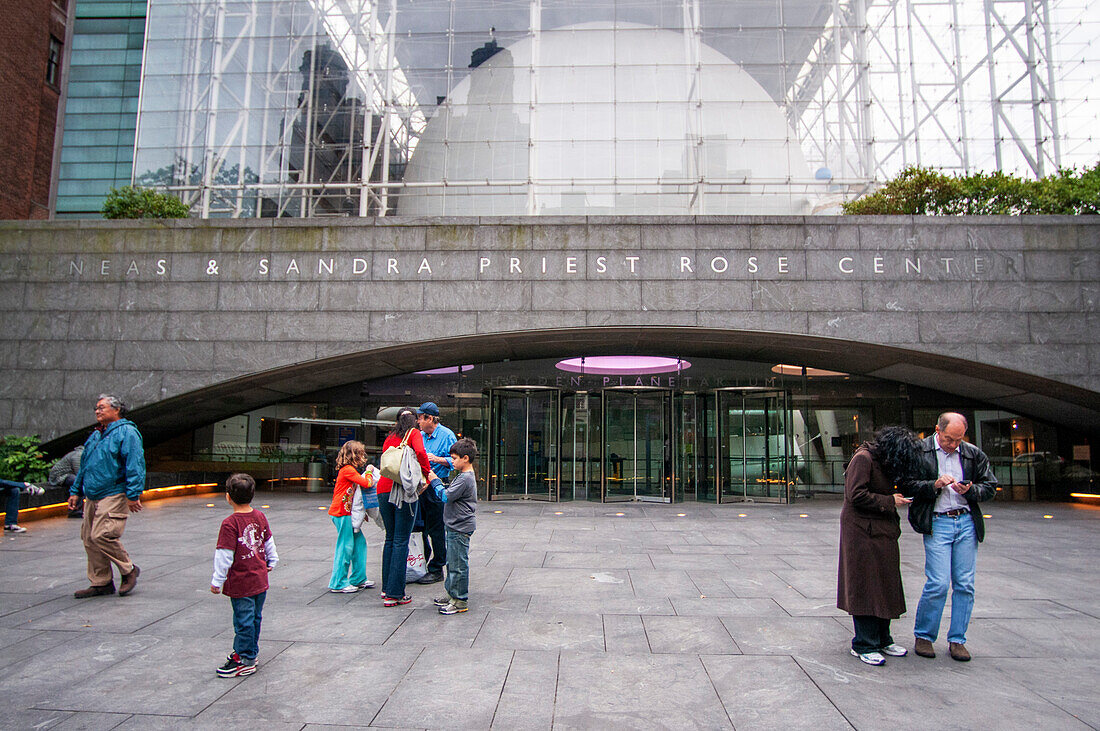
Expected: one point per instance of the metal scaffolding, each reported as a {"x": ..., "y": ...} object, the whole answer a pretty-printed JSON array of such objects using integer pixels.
[{"x": 315, "y": 107}]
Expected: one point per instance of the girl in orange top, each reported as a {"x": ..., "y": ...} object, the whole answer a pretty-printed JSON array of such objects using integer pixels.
[{"x": 349, "y": 566}]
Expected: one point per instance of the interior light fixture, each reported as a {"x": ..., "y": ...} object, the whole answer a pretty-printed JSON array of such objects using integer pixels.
[
  {"x": 444, "y": 371},
  {"x": 623, "y": 365},
  {"x": 784, "y": 369}
]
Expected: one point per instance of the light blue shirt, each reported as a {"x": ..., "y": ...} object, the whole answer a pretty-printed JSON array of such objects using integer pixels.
[
  {"x": 439, "y": 444},
  {"x": 949, "y": 464}
]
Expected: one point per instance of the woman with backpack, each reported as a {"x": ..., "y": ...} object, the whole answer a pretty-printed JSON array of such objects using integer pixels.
[{"x": 399, "y": 518}]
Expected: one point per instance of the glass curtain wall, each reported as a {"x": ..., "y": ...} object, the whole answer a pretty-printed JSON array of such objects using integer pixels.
[
  {"x": 716, "y": 431},
  {"x": 97, "y": 149},
  {"x": 256, "y": 108}
]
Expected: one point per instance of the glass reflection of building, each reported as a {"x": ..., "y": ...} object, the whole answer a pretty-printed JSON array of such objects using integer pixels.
[
  {"x": 601, "y": 106},
  {"x": 706, "y": 431}
]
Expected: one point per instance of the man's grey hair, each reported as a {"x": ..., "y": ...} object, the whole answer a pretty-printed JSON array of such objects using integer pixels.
[{"x": 113, "y": 401}]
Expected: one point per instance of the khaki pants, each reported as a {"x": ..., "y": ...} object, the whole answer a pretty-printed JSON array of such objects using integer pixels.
[{"x": 101, "y": 531}]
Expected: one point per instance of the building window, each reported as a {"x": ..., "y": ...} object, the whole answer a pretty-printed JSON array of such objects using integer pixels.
[{"x": 53, "y": 63}]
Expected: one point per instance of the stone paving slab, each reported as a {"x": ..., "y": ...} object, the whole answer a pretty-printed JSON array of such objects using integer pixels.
[{"x": 585, "y": 620}]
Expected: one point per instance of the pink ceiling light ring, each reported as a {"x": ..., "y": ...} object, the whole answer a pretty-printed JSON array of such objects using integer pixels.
[{"x": 623, "y": 365}]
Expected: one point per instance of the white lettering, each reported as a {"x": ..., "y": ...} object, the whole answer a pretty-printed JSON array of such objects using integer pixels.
[
  {"x": 484, "y": 264},
  {"x": 685, "y": 265},
  {"x": 105, "y": 267},
  {"x": 601, "y": 264},
  {"x": 391, "y": 266},
  {"x": 570, "y": 265},
  {"x": 358, "y": 265},
  {"x": 912, "y": 265},
  {"x": 633, "y": 260},
  {"x": 263, "y": 266},
  {"x": 947, "y": 263},
  {"x": 133, "y": 268},
  {"x": 162, "y": 267},
  {"x": 293, "y": 267},
  {"x": 845, "y": 265},
  {"x": 783, "y": 265},
  {"x": 544, "y": 265},
  {"x": 424, "y": 267},
  {"x": 979, "y": 265},
  {"x": 719, "y": 268},
  {"x": 76, "y": 267},
  {"x": 879, "y": 265},
  {"x": 513, "y": 266},
  {"x": 753, "y": 268},
  {"x": 321, "y": 265}
]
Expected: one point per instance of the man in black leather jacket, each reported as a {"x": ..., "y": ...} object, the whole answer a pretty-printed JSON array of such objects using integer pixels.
[{"x": 945, "y": 509}]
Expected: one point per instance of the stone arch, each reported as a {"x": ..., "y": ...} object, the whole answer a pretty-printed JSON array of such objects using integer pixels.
[{"x": 1023, "y": 393}]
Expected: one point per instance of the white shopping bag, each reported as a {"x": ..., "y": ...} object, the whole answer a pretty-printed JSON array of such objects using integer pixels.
[{"x": 418, "y": 565}]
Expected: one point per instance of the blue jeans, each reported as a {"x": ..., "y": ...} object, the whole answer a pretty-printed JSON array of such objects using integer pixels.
[
  {"x": 457, "y": 582},
  {"x": 395, "y": 552},
  {"x": 950, "y": 555},
  {"x": 247, "y": 613},
  {"x": 14, "y": 489},
  {"x": 350, "y": 555}
]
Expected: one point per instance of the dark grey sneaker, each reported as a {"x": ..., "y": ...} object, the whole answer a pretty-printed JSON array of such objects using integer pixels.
[
  {"x": 234, "y": 667},
  {"x": 456, "y": 606},
  {"x": 442, "y": 601}
]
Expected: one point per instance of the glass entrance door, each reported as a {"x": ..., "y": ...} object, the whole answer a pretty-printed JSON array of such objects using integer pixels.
[
  {"x": 753, "y": 433},
  {"x": 524, "y": 443},
  {"x": 637, "y": 444}
]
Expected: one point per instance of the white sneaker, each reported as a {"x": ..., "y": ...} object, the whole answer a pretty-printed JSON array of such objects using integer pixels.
[
  {"x": 871, "y": 658},
  {"x": 894, "y": 651},
  {"x": 368, "y": 584},
  {"x": 33, "y": 489},
  {"x": 349, "y": 589},
  {"x": 15, "y": 528}
]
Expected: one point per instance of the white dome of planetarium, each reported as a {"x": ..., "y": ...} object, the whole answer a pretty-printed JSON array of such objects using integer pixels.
[{"x": 617, "y": 126}]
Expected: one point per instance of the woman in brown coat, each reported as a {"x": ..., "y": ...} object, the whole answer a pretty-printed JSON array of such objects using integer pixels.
[{"x": 869, "y": 578}]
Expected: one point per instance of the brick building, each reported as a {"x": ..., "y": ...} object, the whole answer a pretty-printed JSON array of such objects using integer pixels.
[{"x": 31, "y": 81}]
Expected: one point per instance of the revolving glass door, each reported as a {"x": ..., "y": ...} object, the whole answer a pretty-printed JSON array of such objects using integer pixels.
[
  {"x": 753, "y": 445},
  {"x": 637, "y": 444},
  {"x": 524, "y": 449}
]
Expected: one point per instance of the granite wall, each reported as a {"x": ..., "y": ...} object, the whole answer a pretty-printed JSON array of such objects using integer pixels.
[{"x": 206, "y": 316}]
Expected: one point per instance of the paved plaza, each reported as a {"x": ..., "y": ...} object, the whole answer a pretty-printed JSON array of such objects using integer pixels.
[{"x": 582, "y": 616}]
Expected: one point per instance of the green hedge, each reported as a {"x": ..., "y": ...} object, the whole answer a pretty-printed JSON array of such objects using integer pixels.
[
  {"x": 923, "y": 191},
  {"x": 131, "y": 201},
  {"x": 21, "y": 460}
]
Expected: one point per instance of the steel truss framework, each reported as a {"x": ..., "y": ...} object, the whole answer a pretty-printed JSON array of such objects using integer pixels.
[{"x": 885, "y": 84}]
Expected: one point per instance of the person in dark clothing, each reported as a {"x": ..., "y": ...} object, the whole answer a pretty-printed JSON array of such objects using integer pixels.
[
  {"x": 869, "y": 572},
  {"x": 63, "y": 474}
]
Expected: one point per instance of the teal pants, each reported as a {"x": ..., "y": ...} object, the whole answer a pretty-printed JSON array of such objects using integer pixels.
[{"x": 349, "y": 565}]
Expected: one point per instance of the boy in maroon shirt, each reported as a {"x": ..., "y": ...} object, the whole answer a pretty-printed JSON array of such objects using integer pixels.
[{"x": 244, "y": 555}]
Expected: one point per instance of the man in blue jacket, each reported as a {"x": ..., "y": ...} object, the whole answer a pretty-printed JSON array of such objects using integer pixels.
[{"x": 111, "y": 480}]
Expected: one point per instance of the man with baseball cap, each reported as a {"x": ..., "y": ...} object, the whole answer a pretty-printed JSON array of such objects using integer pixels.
[{"x": 437, "y": 442}]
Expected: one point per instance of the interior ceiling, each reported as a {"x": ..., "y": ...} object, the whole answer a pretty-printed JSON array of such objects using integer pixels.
[{"x": 1027, "y": 395}]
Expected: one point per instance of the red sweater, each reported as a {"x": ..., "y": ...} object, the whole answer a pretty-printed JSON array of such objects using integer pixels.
[
  {"x": 346, "y": 480},
  {"x": 416, "y": 441}
]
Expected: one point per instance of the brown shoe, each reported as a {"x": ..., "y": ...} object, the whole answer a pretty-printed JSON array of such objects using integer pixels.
[
  {"x": 95, "y": 591},
  {"x": 958, "y": 651},
  {"x": 924, "y": 648},
  {"x": 128, "y": 582}
]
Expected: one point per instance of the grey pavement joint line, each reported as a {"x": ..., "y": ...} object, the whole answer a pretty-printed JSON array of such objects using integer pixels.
[{"x": 821, "y": 690}]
